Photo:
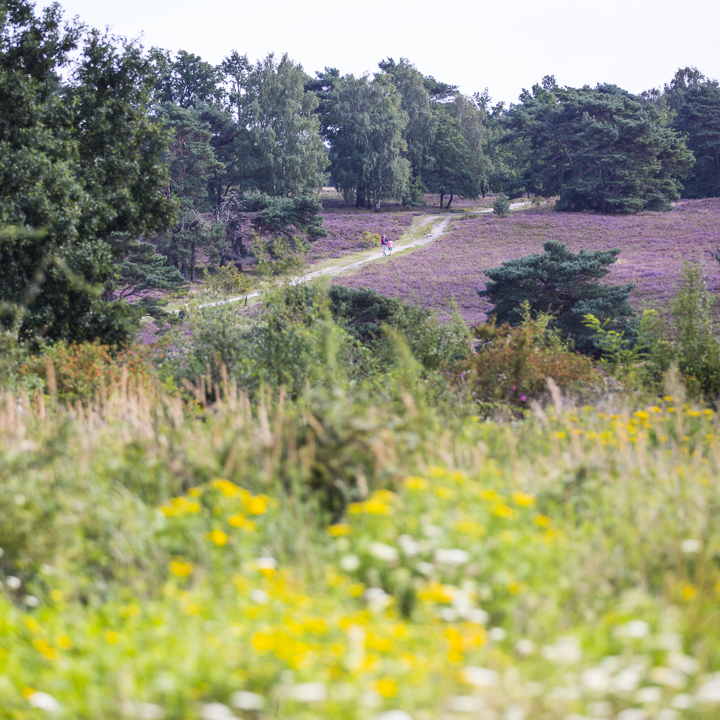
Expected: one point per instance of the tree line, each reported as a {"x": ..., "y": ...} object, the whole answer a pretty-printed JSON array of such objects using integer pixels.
[{"x": 120, "y": 167}]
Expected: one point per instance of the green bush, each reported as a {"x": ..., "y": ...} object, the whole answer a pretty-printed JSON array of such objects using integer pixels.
[
  {"x": 563, "y": 284},
  {"x": 513, "y": 366},
  {"x": 501, "y": 206},
  {"x": 229, "y": 279}
]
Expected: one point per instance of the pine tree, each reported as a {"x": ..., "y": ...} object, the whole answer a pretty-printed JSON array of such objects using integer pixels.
[{"x": 563, "y": 284}]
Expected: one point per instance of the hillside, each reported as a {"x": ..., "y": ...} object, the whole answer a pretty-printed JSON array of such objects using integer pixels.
[{"x": 653, "y": 248}]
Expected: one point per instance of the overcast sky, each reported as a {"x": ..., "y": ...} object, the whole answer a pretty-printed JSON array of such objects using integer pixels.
[{"x": 504, "y": 46}]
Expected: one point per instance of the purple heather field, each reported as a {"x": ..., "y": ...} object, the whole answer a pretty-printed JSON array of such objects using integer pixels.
[
  {"x": 345, "y": 224},
  {"x": 653, "y": 247}
]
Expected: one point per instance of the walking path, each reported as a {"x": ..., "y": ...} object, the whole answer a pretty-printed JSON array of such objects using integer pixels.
[{"x": 440, "y": 223}]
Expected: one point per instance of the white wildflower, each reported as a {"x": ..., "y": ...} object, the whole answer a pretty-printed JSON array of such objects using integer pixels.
[
  {"x": 13, "y": 582},
  {"x": 245, "y": 700},
  {"x": 514, "y": 712},
  {"x": 425, "y": 568},
  {"x": 465, "y": 703},
  {"x": 350, "y": 563},
  {"x": 462, "y": 602},
  {"x": 632, "y": 714},
  {"x": 43, "y": 701},
  {"x": 452, "y": 556},
  {"x": 309, "y": 692},
  {"x": 682, "y": 701},
  {"x": 409, "y": 545},
  {"x": 627, "y": 680},
  {"x": 216, "y": 711},
  {"x": 480, "y": 677},
  {"x": 497, "y": 634},
  {"x": 685, "y": 663},
  {"x": 709, "y": 691},
  {"x": 690, "y": 546},
  {"x": 381, "y": 551},
  {"x": 31, "y": 601},
  {"x": 259, "y": 596},
  {"x": 668, "y": 677},
  {"x": 667, "y": 714},
  {"x": 670, "y": 641},
  {"x": 649, "y": 695},
  {"x": 477, "y": 615},
  {"x": 448, "y": 614},
  {"x": 565, "y": 693},
  {"x": 596, "y": 679},
  {"x": 601, "y": 709},
  {"x": 377, "y": 598},
  {"x": 525, "y": 647},
  {"x": 637, "y": 629},
  {"x": 394, "y": 715},
  {"x": 266, "y": 563},
  {"x": 565, "y": 650},
  {"x": 149, "y": 711}
]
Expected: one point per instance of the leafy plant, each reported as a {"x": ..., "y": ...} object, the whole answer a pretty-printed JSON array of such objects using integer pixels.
[
  {"x": 229, "y": 279},
  {"x": 563, "y": 284},
  {"x": 501, "y": 206}
]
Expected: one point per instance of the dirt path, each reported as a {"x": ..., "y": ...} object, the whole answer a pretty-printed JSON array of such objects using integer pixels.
[{"x": 439, "y": 225}]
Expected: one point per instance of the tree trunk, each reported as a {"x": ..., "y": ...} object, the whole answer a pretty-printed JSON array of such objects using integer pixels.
[
  {"x": 360, "y": 197},
  {"x": 483, "y": 189},
  {"x": 192, "y": 262},
  {"x": 377, "y": 206},
  {"x": 447, "y": 207},
  {"x": 185, "y": 271},
  {"x": 442, "y": 198}
]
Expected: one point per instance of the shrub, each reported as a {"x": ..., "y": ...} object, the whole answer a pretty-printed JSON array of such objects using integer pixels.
[
  {"x": 229, "y": 279},
  {"x": 515, "y": 363},
  {"x": 697, "y": 349},
  {"x": 78, "y": 371},
  {"x": 501, "y": 206},
  {"x": 563, "y": 284},
  {"x": 370, "y": 239}
]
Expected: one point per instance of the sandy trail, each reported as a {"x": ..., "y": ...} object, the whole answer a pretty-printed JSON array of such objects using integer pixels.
[{"x": 439, "y": 222}]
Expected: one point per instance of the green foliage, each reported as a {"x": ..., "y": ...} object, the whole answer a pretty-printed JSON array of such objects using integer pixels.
[
  {"x": 279, "y": 256},
  {"x": 501, "y": 206},
  {"x": 229, "y": 279},
  {"x": 72, "y": 372},
  {"x": 366, "y": 153},
  {"x": 562, "y": 284},
  {"x": 414, "y": 193},
  {"x": 698, "y": 119},
  {"x": 514, "y": 363},
  {"x": 450, "y": 172},
  {"x": 61, "y": 188},
  {"x": 370, "y": 239},
  {"x": 278, "y": 134},
  {"x": 697, "y": 348},
  {"x": 598, "y": 149}
]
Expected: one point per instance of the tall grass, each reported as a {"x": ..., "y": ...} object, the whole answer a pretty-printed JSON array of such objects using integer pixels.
[{"x": 332, "y": 556}]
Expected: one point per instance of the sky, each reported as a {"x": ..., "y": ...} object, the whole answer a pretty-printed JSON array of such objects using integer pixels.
[{"x": 504, "y": 46}]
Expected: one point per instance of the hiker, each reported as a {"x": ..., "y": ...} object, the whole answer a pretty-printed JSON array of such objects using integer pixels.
[
  {"x": 383, "y": 242},
  {"x": 390, "y": 246}
]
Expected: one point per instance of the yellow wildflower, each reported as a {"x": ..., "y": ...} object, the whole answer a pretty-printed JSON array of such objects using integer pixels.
[
  {"x": 415, "y": 483},
  {"x": 57, "y": 595},
  {"x": 65, "y": 642},
  {"x": 180, "y": 568},
  {"x": 263, "y": 641},
  {"x": 45, "y": 649},
  {"x": 523, "y": 499},
  {"x": 227, "y": 488},
  {"x": 503, "y": 511},
  {"x": 256, "y": 505},
  {"x": 387, "y": 687},
  {"x": 111, "y": 637},
  {"x": 689, "y": 592},
  {"x": 339, "y": 529},
  {"x": 543, "y": 521},
  {"x": 218, "y": 537}
]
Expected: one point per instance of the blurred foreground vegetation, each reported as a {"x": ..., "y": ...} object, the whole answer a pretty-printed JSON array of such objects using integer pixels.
[{"x": 339, "y": 508}]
